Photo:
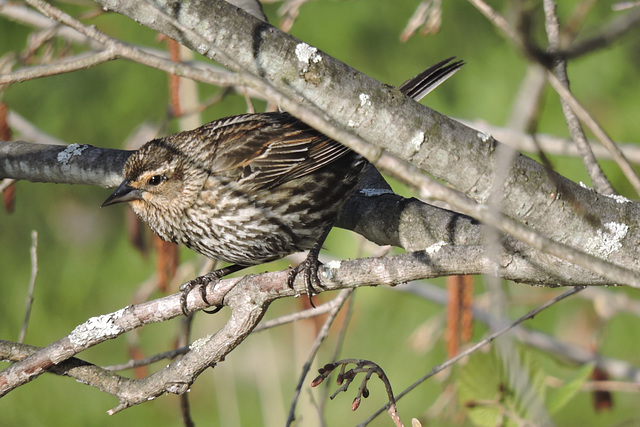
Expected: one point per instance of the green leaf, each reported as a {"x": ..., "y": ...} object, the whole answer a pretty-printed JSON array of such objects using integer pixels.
[
  {"x": 569, "y": 389},
  {"x": 479, "y": 386}
]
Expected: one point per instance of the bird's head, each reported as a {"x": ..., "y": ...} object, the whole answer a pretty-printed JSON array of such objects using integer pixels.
[{"x": 158, "y": 182}]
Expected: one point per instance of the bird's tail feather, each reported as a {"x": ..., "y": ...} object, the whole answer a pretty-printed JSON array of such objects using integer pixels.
[{"x": 422, "y": 84}]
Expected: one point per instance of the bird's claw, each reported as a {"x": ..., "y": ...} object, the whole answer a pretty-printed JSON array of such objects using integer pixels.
[
  {"x": 309, "y": 267},
  {"x": 201, "y": 283}
]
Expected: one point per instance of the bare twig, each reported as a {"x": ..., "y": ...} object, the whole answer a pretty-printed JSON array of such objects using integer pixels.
[
  {"x": 327, "y": 307},
  {"x": 564, "y": 351},
  {"x": 625, "y": 387},
  {"x": 594, "y": 127},
  {"x": 497, "y": 20},
  {"x": 289, "y": 12},
  {"x": 618, "y": 28},
  {"x": 131, "y": 364},
  {"x": 21, "y": 13},
  {"x": 202, "y": 72},
  {"x": 29, "y": 131},
  {"x": 79, "y": 62},
  {"x": 550, "y": 144},
  {"x": 322, "y": 334},
  {"x": 615, "y": 30},
  {"x": 552, "y": 25},
  {"x": 346, "y": 377},
  {"x": 183, "y": 339},
  {"x": 609, "y": 303},
  {"x": 527, "y": 104},
  {"x": 428, "y": 14},
  {"x": 564, "y": 93},
  {"x": 82, "y": 371},
  {"x": 32, "y": 283}
]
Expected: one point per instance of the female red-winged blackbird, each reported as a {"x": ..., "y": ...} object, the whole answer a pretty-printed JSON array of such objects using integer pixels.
[{"x": 250, "y": 188}]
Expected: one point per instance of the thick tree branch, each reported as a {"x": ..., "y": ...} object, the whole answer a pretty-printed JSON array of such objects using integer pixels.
[
  {"x": 408, "y": 223},
  {"x": 62, "y": 164}
]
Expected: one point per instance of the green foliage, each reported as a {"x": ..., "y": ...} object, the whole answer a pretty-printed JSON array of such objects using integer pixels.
[
  {"x": 560, "y": 397},
  {"x": 486, "y": 388},
  {"x": 481, "y": 389}
]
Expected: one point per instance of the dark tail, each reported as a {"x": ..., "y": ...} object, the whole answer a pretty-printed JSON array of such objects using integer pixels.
[{"x": 422, "y": 84}]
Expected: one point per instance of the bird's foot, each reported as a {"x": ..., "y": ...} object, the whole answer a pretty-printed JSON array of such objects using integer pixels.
[
  {"x": 309, "y": 267},
  {"x": 201, "y": 283}
]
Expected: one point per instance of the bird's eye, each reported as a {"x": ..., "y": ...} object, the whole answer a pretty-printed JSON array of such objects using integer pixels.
[{"x": 155, "y": 180}]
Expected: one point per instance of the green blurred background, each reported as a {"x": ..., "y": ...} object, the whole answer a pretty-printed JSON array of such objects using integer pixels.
[{"x": 88, "y": 267}]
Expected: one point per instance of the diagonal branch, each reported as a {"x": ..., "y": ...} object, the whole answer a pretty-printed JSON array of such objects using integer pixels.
[
  {"x": 79, "y": 62},
  {"x": 248, "y": 298},
  {"x": 490, "y": 338},
  {"x": 599, "y": 133},
  {"x": 599, "y": 180}
]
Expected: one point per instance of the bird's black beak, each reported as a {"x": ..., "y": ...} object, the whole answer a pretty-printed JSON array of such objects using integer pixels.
[{"x": 124, "y": 193}]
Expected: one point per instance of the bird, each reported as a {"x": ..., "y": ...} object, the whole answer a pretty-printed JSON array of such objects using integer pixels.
[{"x": 251, "y": 188}]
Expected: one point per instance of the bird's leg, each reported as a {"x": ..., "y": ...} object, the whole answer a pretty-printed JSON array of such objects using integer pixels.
[
  {"x": 310, "y": 268},
  {"x": 201, "y": 282}
]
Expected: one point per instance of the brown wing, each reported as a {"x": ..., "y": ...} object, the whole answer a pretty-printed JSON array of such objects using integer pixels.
[
  {"x": 261, "y": 150},
  {"x": 297, "y": 150}
]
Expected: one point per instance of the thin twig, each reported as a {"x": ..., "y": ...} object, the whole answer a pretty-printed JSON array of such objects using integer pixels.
[
  {"x": 601, "y": 385},
  {"x": 32, "y": 284},
  {"x": 30, "y": 132},
  {"x": 321, "y": 309},
  {"x": 551, "y": 144},
  {"x": 565, "y": 95},
  {"x": 496, "y": 19},
  {"x": 183, "y": 339},
  {"x": 201, "y": 73},
  {"x": 527, "y": 105},
  {"x": 78, "y": 62},
  {"x": 137, "y": 363},
  {"x": 539, "y": 340},
  {"x": 322, "y": 334},
  {"x": 339, "y": 343},
  {"x": 616, "y": 29},
  {"x": 595, "y": 128},
  {"x": 599, "y": 180}
]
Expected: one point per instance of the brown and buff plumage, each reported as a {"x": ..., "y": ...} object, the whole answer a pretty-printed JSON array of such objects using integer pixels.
[{"x": 250, "y": 188}]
